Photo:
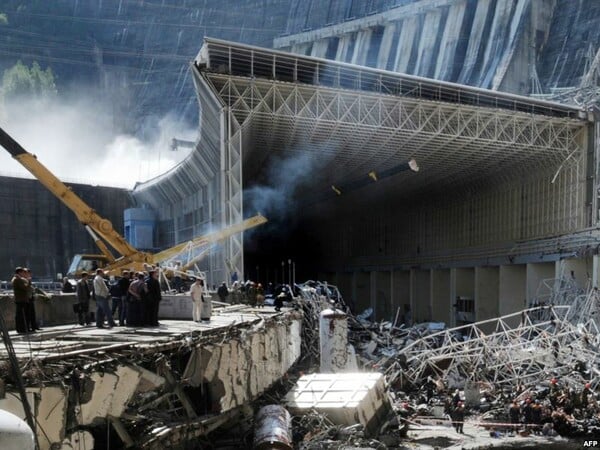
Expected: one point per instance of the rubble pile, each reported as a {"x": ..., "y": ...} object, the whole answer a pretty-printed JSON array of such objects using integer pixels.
[{"x": 534, "y": 372}]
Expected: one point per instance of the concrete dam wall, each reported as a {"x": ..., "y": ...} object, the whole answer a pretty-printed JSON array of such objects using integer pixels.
[
  {"x": 525, "y": 46},
  {"x": 139, "y": 53}
]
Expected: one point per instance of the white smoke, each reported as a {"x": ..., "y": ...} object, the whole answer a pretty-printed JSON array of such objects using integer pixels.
[{"x": 78, "y": 138}]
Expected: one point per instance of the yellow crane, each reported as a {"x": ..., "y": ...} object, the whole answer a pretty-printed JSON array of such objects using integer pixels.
[{"x": 102, "y": 231}]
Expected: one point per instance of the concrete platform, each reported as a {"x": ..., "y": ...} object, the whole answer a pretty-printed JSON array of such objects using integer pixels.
[
  {"x": 63, "y": 341},
  {"x": 180, "y": 378}
]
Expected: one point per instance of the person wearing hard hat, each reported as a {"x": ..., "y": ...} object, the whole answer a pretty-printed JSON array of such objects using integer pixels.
[
  {"x": 585, "y": 395},
  {"x": 260, "y": 296}
]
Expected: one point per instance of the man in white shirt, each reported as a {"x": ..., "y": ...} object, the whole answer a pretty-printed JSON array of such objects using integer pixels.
[
  {"x": 197, "y": 293},
  {"x": 101, "y": 294}
]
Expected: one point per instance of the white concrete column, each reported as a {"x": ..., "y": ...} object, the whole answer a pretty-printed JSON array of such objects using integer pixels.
[
  {"x": 440, "y": 296},
  {"x": 333, "y": 342},
  {"x": 487, "y": 286},
  {"x": 319, "y": 48},
  {"x": 595, "y": 271},
  {"x": 343, "y": 46},
  {"x": 512, "y": 292},
  {"x": 386, "y": 44},
  {"x": 405, "y": 43},
  {"x": 477, "y": 42},
  {"x": 540, "y": 277},
  {"x": 450, "y": 40},
  {"x": 426, "y": 56},
  {"x": 361, "y": 48}
]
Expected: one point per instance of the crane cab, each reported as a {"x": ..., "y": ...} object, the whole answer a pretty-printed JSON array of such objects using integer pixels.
[{"x": 86, "y": 263}]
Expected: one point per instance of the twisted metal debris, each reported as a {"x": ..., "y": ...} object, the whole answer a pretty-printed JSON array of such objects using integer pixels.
[{"x": 559, "y": 339}]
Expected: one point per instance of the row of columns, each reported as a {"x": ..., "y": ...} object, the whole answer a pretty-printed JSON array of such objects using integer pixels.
[{"x": 481, "y": 292}]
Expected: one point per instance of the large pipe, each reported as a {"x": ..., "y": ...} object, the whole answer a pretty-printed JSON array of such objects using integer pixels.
[
  {"x": 272, "y": 429},
  {"x": 15, "y": 434},
  {"x": 369, "y": 178}
]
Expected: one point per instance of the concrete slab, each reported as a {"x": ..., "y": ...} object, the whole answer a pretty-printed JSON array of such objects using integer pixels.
[
  {"x": 64, "y": 341},
  {"x": 346, "y": 398}
]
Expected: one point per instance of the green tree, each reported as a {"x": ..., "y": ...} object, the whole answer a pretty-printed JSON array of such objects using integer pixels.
[
  {"x": 21, "y": 80},
  {"x": 3, "y": 19}
]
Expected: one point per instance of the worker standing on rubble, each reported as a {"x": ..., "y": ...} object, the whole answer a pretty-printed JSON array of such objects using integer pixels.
[
  {"x": 115, "y": 297},
  {"x": 458, "y": 417},
  {"x": 197, "y": 293},
  {"x": 124, "y": 288},
  {"x": 554, "y": 392},
  {"x": 137, "y": 293},
  {"x": 206, "y": 307},
  {"x": 251, "y": 290},
  {"x": 19, "y": 285},
  {"x": 30, "y": 315},
  {"x": 536, "y": 417},
  {"x": 514, "y": 413},
  {"x": 279, "y": 300},
  {"x": 83, "y": 300},
  {"x": 235, "y": 293},
  {"x": 223, "y": 292},
  {"x": 101, "y": 294},
  {"x": 154, "y": 298},
  {"x": 260, "y": 296},
  {"x": 527, "y": 412},
  {"x": 585, "y": 395},
  {"x": 67, "y": 287}
]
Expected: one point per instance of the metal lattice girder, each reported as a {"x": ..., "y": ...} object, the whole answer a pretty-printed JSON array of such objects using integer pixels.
[
  {"x": 357, "y": 118},
  {"x": 548, "y": 341}
]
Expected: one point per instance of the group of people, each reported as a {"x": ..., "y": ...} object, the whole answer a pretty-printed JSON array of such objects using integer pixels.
[
  {"x": 555, "y": 411},
  {"x": 135, "y": 299},
  {"x": 254, "y": 294},
  {"x": 132, "y": 299},
  {"x": 24, "y": 293}
]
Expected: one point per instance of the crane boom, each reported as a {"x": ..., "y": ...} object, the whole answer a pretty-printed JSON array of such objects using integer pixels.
[
  {"x": 85, "y": 214},
  {"x": 209, "y": 239},
  {"x": 102, "y": 230}
]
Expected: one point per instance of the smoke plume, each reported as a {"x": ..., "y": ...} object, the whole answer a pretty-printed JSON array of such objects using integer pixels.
[{"x": 277, "y": 198}]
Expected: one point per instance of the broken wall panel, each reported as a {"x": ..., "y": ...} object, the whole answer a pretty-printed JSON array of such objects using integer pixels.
[
  {"x": 136, "y": 380},
  {"x": 237, "y": 370}
]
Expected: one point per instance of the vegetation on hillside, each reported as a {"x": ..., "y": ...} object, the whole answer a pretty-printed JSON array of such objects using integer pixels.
[{"x": 21, "y": 80}]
